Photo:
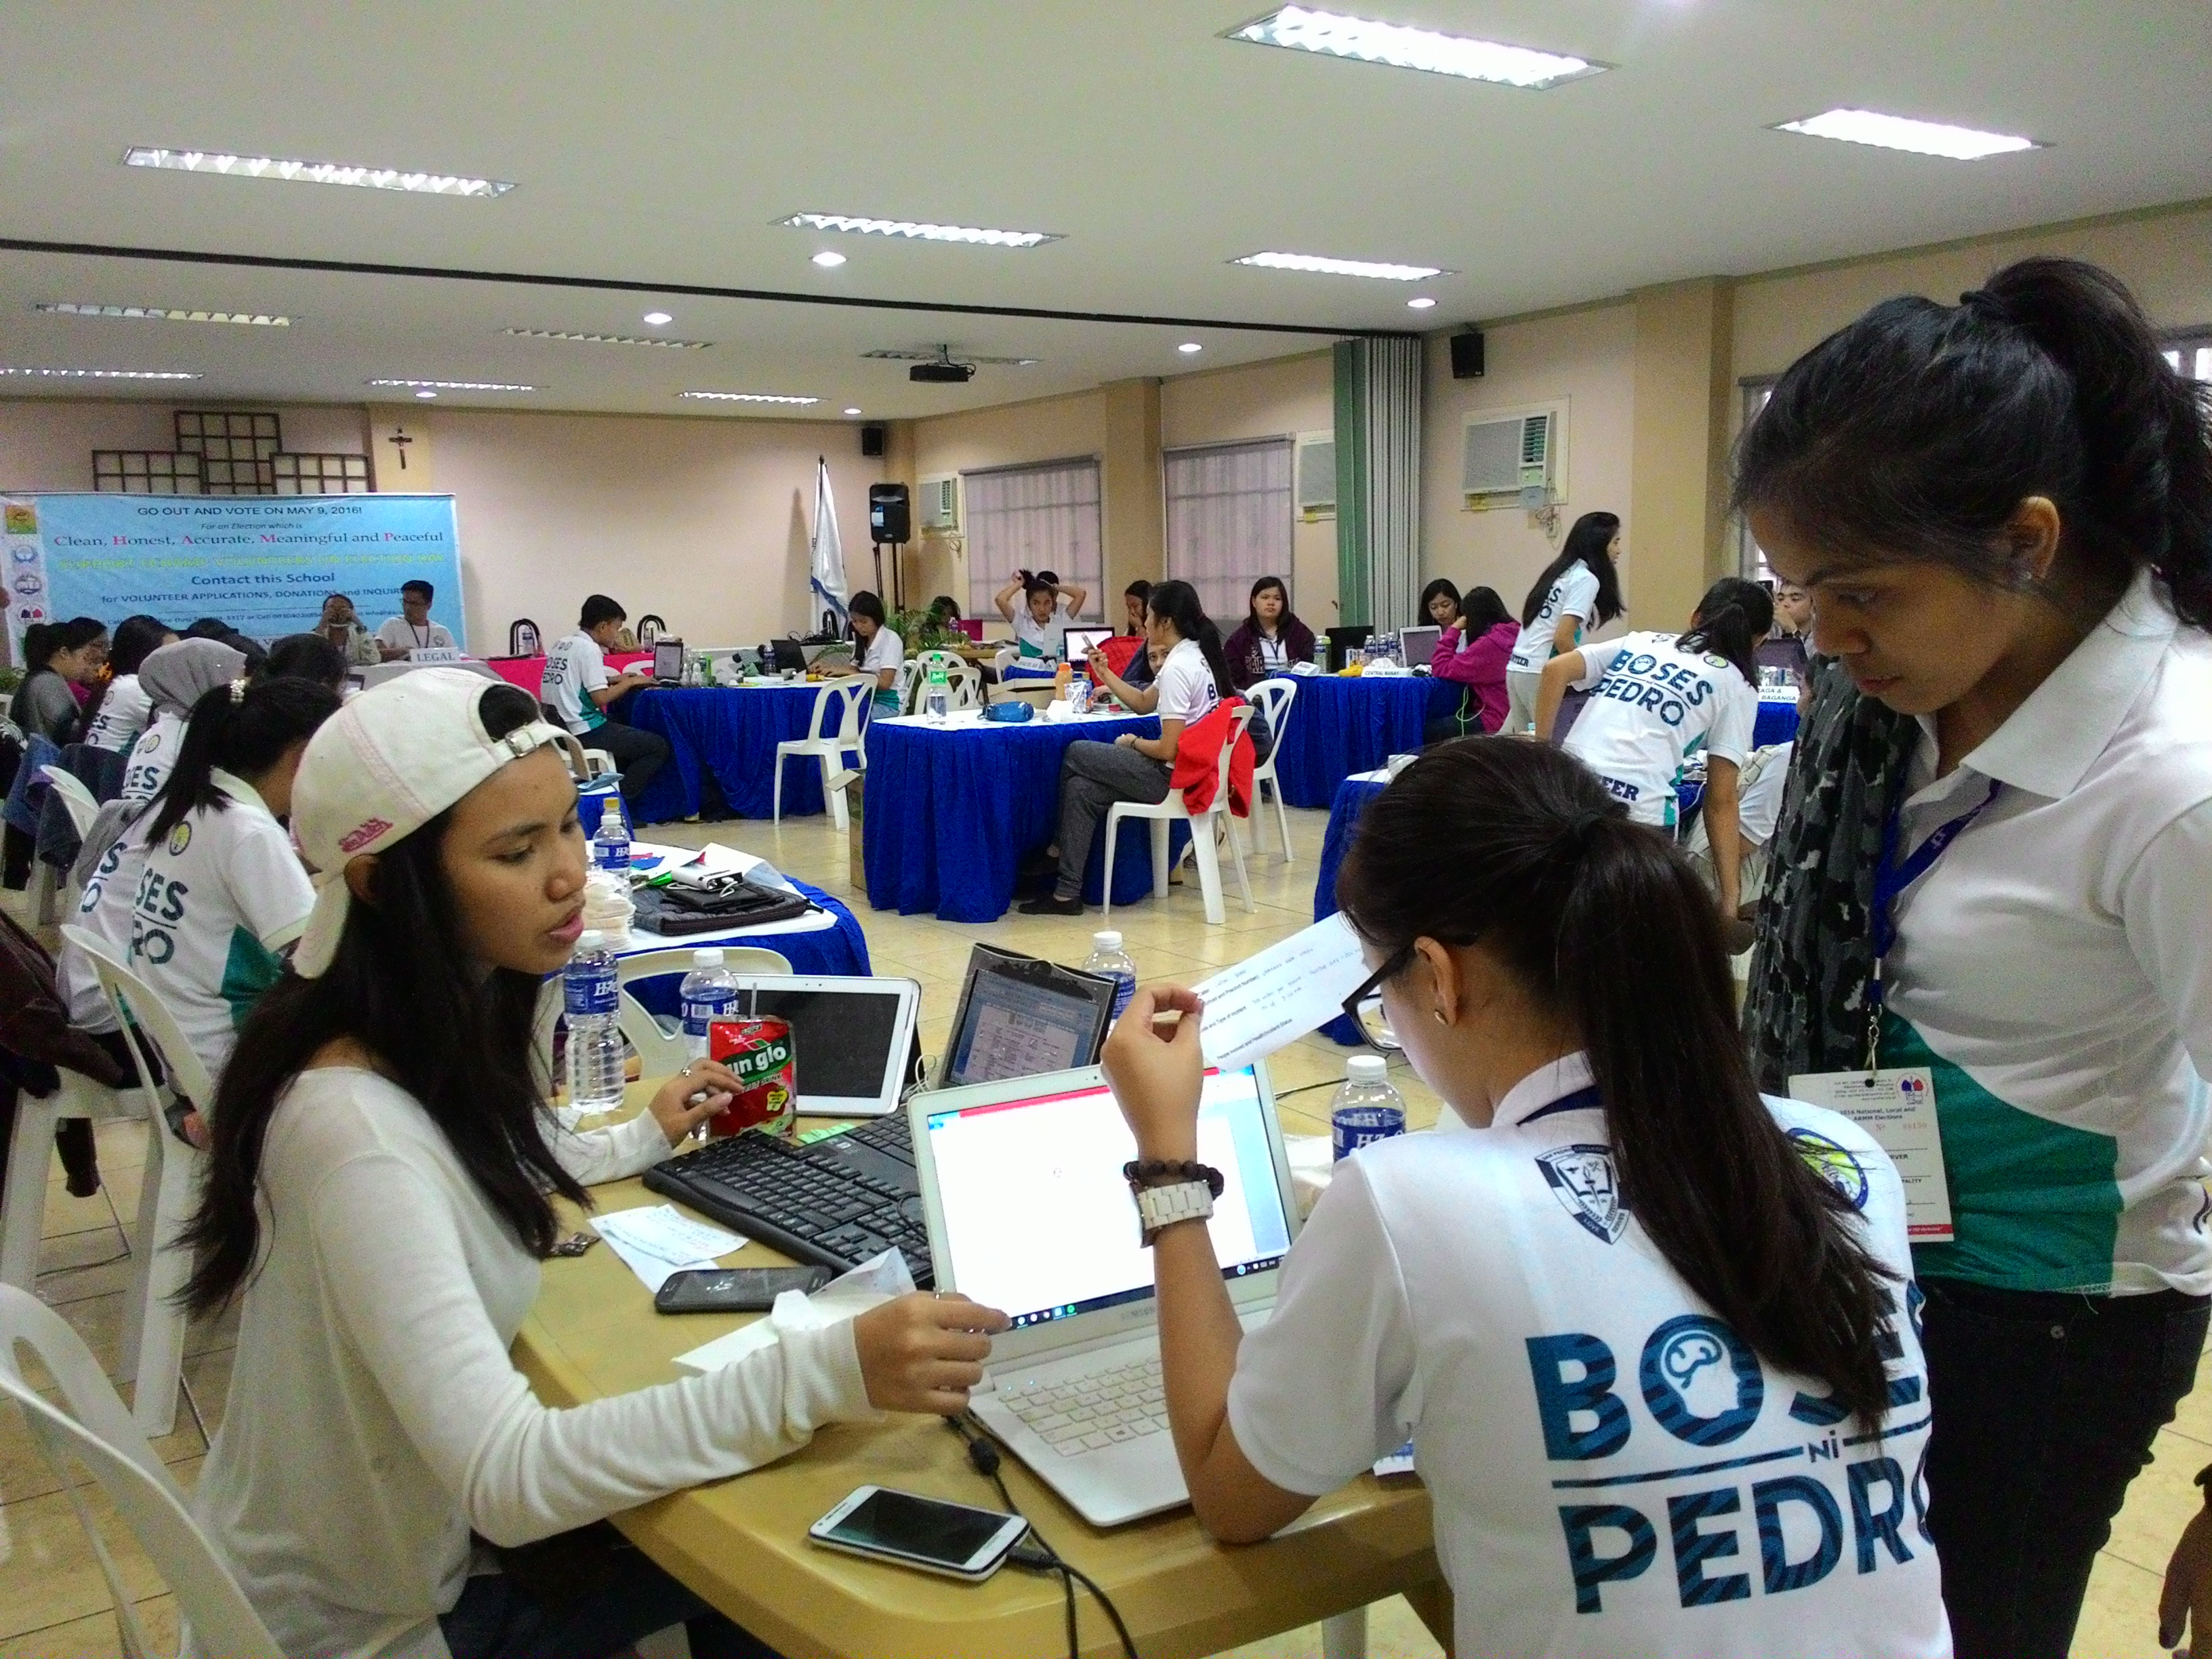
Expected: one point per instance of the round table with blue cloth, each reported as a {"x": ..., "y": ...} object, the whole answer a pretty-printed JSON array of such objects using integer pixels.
[
  {"x": 1352, "y": 797},
  {"x": 728, "y": 733},
  {"x": 1776, "y": 723},
  {"x": 951, "y": 810},
  {"x": 840, "y": 950},
  {"x": 1338, "y": 726}
]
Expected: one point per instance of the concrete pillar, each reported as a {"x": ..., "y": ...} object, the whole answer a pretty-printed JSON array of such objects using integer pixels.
[
  {"x": 1133, "y": 509},
  {"x": 1678, "y": 472}
]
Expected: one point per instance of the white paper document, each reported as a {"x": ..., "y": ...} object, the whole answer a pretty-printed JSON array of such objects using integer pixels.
[
  {"x": 1272, "y": 1000},
  {"x": 870, "y": 1284},
  {"x": 657, "y": 1240},
  {"x": 1897, "y": 1108}
]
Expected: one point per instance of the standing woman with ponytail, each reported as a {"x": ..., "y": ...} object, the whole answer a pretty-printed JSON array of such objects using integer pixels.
[
  {"x": 1194, "y": 677},
  {"x": 1994, "y": 861},
  {"x": 1577, "y": 592},
  {"x": 1649, "y": 1334},
  {"x": 1659, "y": 701}
]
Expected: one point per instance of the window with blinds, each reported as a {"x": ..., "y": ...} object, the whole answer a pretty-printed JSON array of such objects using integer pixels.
[
  {"x": 1044, "y": 517},
  {"x": 1230, "y": 509}
]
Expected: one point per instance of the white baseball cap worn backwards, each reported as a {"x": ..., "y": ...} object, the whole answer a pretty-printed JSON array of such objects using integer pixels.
[{"x": 380, "y": 768}]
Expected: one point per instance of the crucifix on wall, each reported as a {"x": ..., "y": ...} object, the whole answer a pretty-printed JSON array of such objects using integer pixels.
[{"x": 400, "y": 440}]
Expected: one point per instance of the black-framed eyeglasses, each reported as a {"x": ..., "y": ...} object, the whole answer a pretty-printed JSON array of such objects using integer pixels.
[{"x": 1363, "y": 1007}]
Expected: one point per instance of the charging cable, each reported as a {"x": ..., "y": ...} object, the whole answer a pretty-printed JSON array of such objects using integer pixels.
[{"x": 1037, "y": 1555}]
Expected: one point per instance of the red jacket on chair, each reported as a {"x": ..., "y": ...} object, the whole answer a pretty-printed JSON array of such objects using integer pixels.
[{"x": 1198, "y": 762}]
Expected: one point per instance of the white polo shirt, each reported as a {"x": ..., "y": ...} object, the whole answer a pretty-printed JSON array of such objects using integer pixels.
[
  {"x": 103, "y": 909},
  {"x": 1655, "y": 706},
  {"x": 2055, "y": 967},
  {"x": 1613, "y": 1470},
  {"x": 124, "y": 713},
  {"x": 153, "y": 756},
  {"x": 400, "y": 634},
  {"x": 1041, "y": 638},
  {"x": 575, "y": 668},
  {"x": 220, "y": 896},
  {"x": 1574, "y": 594},
  {"x": 1185, "y": 685}
]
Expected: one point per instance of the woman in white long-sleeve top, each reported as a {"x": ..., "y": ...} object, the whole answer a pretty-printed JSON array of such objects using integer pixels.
[{"x": 379, "y": 1192}]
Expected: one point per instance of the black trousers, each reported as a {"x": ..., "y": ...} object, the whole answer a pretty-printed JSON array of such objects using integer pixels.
[
  {"x": 638, "y": 755},
  {"x": 2045, "y": 1409}
]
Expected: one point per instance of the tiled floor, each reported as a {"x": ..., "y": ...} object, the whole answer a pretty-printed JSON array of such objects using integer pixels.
[{"x": 54, "y": 1605}]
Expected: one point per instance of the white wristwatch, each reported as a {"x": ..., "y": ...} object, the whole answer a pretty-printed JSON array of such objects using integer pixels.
[{"x": 1162, "y": 1207}]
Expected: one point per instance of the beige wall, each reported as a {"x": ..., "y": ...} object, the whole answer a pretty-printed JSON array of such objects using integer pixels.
[
  {"x": 1586, "y": 357},
  {"x": 46, "y": 443}
]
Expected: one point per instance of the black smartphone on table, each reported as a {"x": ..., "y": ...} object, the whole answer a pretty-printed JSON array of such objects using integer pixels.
[
  {"x": 734, "y": 1290},
  {"x": 914, "y": 1531}
]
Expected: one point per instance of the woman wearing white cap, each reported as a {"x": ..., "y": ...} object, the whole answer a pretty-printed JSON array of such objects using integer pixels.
[{"x": 379, "y": 1191}]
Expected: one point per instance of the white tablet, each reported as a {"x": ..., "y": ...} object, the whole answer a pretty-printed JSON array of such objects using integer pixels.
[{"x": 852, "y": 1039}]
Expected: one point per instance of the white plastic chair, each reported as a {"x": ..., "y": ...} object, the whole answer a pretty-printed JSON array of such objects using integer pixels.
[
  {"x": 902, "y": 684},
  {"x": 30, "y": 1153},
  {"x": 849, "y": 697},
  {"x": 153, "y": 1323},
  {"x": 1167, "y": 813},
  {"x": 1275, "y": 698},
  {"x": 96, "y": 1433},
  {"x": 661, "y": 1052},
  {"x": 83, "y": 806}
]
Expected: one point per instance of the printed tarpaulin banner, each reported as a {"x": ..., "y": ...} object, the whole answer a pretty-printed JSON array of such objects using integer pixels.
[{"x": 263, "y": 563}]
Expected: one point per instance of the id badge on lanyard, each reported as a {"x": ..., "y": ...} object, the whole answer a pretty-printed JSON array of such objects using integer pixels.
[{"x": 1897, "y": 1106}]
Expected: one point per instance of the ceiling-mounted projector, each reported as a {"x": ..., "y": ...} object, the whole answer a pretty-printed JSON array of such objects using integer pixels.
[{"x": 943, "y": 370}]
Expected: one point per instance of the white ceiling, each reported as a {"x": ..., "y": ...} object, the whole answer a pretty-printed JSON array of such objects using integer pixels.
[{"x": 656, "y": 141}]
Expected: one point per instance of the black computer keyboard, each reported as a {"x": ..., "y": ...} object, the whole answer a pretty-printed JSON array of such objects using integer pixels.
[{"x": 838, "y": 1201}]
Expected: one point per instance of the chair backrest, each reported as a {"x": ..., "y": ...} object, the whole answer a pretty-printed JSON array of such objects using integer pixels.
[
  {"x": 1238, "y": 720},
  {"x": 1005, "y": 657},
  {"x": 738, "y": 958},
  {"x": 649, "y": 628},
  {"x": 1274, "y": 697},
  {"x": 964, "y": 687},
  {"x": 837, "y": 706},
  {"x": 81, "y": 804},
  {"x": 523, "y": 639},
  {"x": 909, "y": 677},
  {"x": 143, "y": 1017},
  {"x": 96, "y": 1432},
  {"x": 925, "y": 660}
]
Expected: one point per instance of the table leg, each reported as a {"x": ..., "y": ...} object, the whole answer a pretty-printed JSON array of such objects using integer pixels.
[
  {"x": 1432, "y": 1603},
  {"x": 1345, "y": 1636}
]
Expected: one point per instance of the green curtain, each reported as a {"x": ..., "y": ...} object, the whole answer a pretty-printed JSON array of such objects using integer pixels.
[{"x": 1378, "y": 479}]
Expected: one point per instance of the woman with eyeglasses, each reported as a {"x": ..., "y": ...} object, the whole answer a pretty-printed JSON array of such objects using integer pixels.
[{"x": 1653, "y": 1337}]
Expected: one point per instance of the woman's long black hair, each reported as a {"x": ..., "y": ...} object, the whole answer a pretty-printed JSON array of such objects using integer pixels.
[
  {"x": 403, "y": 987},
  {"x": 1917, "y": 432},
  {"x": 135, "y": 639},
  {"x": 1517, "y": 845},
  {"x": 243, "y": 729},
  {"x": 1586, "y": 543},
  {"x": 1178, "y": 602},
  {"x": 1733, "y": 617},
  {"x": 1480, "y": 610}
]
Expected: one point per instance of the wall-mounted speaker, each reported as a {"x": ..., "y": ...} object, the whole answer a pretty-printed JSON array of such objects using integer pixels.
[
  {"x": 889, "y": 521},
  {"x": 871, "y": 441},
  {"x": 1467, "y": 356}
]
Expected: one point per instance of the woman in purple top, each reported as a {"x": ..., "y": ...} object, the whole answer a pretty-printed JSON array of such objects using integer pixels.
[
  {"x": 1473, "y": 653},
  {"x": 1272, "y": 638}
]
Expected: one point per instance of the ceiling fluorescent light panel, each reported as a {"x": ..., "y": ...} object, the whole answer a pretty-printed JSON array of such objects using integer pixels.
[
  {"x": 311, "y": 173},
  {"x": 102, "y": 373},
  {"x": 915, "y": 230},
  {"x": 1317, "y": 263},
  {"x": 746, "y": 398},
  {"x": 1866, "y": 126},
  {"x": 1399, "y": 47},
  {"x": 606, "y": 339},
  {"x": 164, "y": 313},
  {"x": 455, "y": 385}
]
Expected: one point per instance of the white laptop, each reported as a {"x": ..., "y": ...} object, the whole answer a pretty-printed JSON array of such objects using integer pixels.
[
  {"x": 854, "y": 1037},
  {"x": 1028, "y": 1212},
  {"x": 1417, "y": 646}
]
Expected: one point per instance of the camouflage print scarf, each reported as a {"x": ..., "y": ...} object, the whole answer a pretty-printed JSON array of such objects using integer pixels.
[{"x": 1806, "y": 1009}]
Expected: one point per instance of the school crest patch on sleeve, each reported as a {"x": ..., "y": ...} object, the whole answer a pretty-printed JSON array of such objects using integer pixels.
[
  {"x": 1837, "y": 1165},
  {"x": 1582, "y": 1179}
]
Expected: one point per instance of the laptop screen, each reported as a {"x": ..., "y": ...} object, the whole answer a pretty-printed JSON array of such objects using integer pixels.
[
  {"x": 843, "y": 1040},
  {"x": 1019, "y": 1171},
  {"x": 668, "y": 661},
  {"x": 1418, "y": 645},
  {"x": 1020, "y": 1017},
  {"x": 1081, "y": 642}
]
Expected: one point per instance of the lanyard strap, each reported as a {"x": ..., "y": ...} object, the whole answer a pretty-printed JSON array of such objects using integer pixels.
[{"x": 1892, "y": 878}]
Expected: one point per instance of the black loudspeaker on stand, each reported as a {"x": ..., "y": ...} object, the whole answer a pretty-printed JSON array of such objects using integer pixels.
[{"x": 890, "y": 524}]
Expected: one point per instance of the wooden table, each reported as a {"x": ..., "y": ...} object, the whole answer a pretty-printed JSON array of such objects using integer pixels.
[{"x": 742, "y": 1544}]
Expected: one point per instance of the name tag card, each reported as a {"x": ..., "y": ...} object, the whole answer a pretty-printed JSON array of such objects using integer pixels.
[
  {"x": 1898, "y": 1108},
  {"x": 433, "y": 654}
]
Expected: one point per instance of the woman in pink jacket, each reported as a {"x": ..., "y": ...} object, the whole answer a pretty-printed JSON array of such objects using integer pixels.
[{"x": 1474, "y": 654}]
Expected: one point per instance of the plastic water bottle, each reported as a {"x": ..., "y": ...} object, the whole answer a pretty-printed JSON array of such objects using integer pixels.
[
  {"x": 709, "y": 992},
  {"x": 1365, "y": 1107},
  {"x": 937, "y": 699},
  {"x": 590, "y": 999},
  {"x": 1109, "y": 961},
  {"x": 1078, "y": 693},
  {"x": 610, "y": 841}
]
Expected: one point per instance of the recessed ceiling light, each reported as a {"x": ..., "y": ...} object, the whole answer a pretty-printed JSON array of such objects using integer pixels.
[
  {"x": 606, "y": 339},
  {"x": 101, "y": 373},
  {"x": 164, "y": 313},
  {"x": 747, "y": 398},
  {"x": 1399, "y": 47},
  {"x": 1420, "y": 302},
  {"x": 827, "y": 260},
  {"x": 918, "y": 231},
  {"x": 455, "y": 385},
  {"x": 1328, "y": 267},
  {"x": 1189, "y": 346},
  {"x": 658, "y": 319},
  {"x": 1866, "y": 126},
  {"x": 851, "y": 412},
  {"x": 425, "y": 394},
  {"x": 311, "y": 173}
]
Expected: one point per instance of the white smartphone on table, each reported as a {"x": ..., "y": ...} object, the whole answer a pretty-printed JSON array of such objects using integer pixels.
[{"x": 914, "y": 1531}]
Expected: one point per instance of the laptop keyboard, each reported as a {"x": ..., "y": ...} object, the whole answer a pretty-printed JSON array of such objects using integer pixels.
[{"x": 1087, "y": 1413}]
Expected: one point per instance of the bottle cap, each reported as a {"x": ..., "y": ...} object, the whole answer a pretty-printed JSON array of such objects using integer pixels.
[
  {"x": 590, "y": 939},
  {"x": 1108, "y": 941},
  {"x": 708, "y": 956},
  {"x": 1367, "y": 1068}
]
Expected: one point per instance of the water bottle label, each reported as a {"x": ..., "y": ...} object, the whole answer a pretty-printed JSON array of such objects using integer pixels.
[
  {"x": 587, "y": 993},
  {"x": 698, "y": 1010},
  {"x": 1351, "y": 1127},
  {"x": 1125, "y": 987},
  {"x": 612, "y": 856}
]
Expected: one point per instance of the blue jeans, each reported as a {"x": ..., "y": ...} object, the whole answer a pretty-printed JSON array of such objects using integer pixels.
[{"x": 495, "y": 1618}]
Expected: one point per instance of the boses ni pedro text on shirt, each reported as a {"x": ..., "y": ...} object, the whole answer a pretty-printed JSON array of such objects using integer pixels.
[
  {"x": 1574, "y": 594},
  {"x": 1655, "y": 705},
  {"x": 575, "y": 668}
]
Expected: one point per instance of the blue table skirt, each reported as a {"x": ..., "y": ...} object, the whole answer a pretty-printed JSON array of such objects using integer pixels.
[
  {"x": 729, "y": 734},
  {"x": 950, "y": 813},
  {"x": 1353, "y": 796},
  {"x": 1776, "y": 723},
  {"x": 840, "y": 949},
  {"x": 1339, "y": 727}
]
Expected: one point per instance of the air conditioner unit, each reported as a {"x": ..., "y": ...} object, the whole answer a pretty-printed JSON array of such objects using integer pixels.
[
  {"x": 939, "y": 503},
  {"x": 1316, "y": 476},
  {"x": 1513, "y": 460}
]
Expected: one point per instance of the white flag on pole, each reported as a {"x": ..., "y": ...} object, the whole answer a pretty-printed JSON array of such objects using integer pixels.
[{"x": 828, "y": 551}]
